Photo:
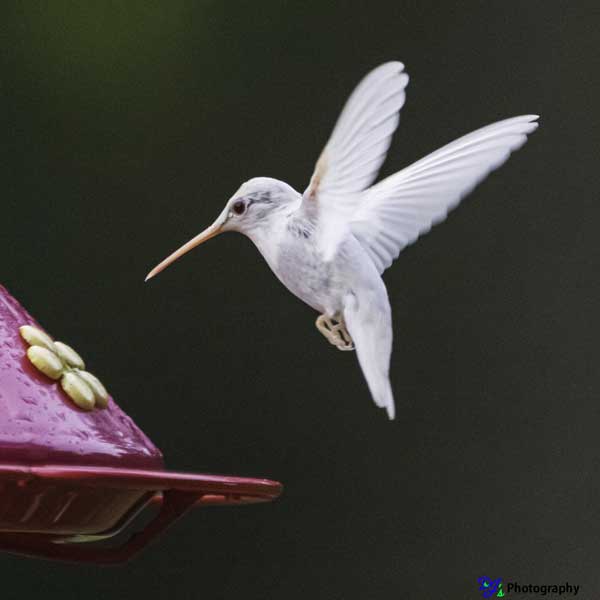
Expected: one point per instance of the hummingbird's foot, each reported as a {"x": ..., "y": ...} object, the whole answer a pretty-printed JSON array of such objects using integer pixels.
[{"x": 335, "y": 331}]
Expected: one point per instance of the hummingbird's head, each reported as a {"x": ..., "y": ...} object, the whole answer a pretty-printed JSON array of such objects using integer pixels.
[
  {"x": 253, "y": 208},
  {"x": 256, "y": 203}
]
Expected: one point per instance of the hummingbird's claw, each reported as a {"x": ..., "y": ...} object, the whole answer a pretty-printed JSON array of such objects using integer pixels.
[{"x": 335, "y": 331}]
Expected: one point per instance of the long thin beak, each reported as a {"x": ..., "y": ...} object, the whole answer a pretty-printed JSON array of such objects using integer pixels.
[{"x": 213, "y": 230}]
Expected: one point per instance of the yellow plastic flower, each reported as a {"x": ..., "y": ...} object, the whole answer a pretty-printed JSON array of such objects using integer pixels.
[{"x": 60, "y": 362}]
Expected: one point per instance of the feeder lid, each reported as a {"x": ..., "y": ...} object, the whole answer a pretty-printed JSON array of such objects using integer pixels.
[
  {"x": 74, "y": 468},
  {"x": 41, "y": 423}
]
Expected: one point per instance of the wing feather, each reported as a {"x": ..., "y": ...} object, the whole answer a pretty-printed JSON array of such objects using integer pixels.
[
  {"x": 396, "y": 211},
  {"x": 361, "y": 137}
]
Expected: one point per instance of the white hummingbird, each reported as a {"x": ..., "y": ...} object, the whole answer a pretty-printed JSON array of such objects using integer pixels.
[{"x": 330, "y": 245}]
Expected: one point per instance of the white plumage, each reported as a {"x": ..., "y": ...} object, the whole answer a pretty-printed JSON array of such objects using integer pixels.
[
  {"x": 395, "y": 212},
  {"x": 330, "y": 245}
]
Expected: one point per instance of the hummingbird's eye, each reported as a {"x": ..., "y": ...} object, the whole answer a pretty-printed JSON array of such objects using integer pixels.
[{"x": 239, "y": 207}]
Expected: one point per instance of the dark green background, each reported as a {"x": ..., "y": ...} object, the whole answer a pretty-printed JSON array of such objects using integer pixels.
[{"x": 127, "y": 125}]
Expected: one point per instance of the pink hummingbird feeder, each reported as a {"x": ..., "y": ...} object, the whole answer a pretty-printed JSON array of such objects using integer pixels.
[{"x": 75, "y": 470}]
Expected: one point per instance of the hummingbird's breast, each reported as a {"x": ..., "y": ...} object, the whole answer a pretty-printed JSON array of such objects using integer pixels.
[
  {"x": 295, "y": 253},
  {"x": 301, "y": 267}
]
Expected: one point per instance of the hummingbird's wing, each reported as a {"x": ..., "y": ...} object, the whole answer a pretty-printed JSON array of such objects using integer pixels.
[
  {"x": 396, "y": 211},
  {"x": 355, "y": 150},
  {"x": 362, "y": 134}
]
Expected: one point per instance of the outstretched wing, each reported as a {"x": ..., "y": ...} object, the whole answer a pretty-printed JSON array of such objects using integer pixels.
[
  {"x": 361, "y": 137},
  {"x": 358, "y": 144},
  {"x": 396, "y": 211}
]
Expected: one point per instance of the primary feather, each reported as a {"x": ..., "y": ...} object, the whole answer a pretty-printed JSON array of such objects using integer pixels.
[
  {"x": 361, "y": 137},
  {"x": 395, "y": 212}
]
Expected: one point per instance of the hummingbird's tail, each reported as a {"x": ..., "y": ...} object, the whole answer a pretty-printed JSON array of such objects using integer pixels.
[
  {"x": 384, "y": 397},
  {"x": 369, "y": 322}
]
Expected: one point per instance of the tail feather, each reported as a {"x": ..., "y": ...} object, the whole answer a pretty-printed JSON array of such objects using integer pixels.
[
  {"x": 386, "y": 399},
  {"x": 369, "y": 322}
]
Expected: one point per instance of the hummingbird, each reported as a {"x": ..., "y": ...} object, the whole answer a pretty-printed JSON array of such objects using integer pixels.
[{"x": 330, "y": 245}]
